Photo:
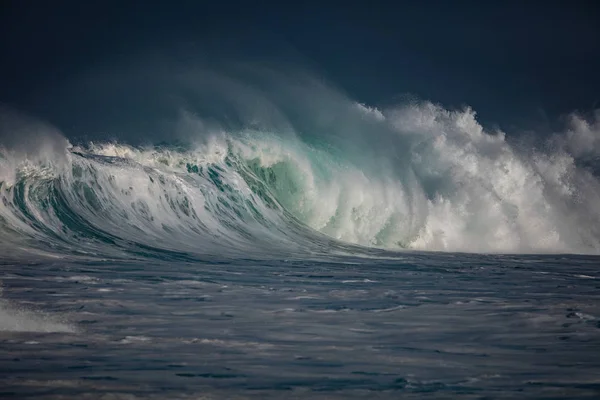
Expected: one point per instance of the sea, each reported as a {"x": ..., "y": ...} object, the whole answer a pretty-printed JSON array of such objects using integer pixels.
[{"x": 398, "y": 253}]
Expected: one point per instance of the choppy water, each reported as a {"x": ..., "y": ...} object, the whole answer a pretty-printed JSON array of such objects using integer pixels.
[
  {"x": 388, "y": 326},
  {"x": 274, "y": 257}
]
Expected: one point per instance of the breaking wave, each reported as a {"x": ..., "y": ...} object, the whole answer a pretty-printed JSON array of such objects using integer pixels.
[{"x": 415, "y": 176}]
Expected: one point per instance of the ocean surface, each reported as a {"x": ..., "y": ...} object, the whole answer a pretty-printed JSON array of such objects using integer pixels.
[
  {"x": 415, "y": 325},
  {"x": 335, "y": 251}
]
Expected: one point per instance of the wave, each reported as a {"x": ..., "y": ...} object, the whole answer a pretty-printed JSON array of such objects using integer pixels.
[{"x": 416, "y": 176}]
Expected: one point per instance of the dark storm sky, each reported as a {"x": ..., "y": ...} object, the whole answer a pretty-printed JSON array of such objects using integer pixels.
[{"x": 511, "y": 61}]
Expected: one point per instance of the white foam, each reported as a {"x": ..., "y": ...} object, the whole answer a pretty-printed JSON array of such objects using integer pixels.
[
  {"x": 452, "y": 186},
  {"x": 20, "y": 320}
]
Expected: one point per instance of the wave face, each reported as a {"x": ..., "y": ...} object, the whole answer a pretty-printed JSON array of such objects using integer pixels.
[{"x": 411, "y": 177}]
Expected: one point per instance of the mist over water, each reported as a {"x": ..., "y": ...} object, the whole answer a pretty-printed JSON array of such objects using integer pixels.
[{"x": 284, "y": 162}]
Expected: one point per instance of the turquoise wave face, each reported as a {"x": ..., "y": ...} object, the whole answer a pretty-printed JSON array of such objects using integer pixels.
[{"x": 117, "y": 201}]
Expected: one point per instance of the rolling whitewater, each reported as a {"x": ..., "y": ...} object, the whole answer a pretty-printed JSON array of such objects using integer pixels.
[{"x": 328, "y": 250}]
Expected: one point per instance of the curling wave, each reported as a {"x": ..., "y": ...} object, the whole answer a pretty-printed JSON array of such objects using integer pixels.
[{"x": 416, "y": 177}]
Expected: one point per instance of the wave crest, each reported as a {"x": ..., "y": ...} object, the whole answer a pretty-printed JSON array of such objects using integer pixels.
[{"x": 418, "y": 177}]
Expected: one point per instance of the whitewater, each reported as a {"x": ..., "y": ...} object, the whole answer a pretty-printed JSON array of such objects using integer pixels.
[
  {"x": 437, "y": 181},
  {"x": 317, "y": 247}
]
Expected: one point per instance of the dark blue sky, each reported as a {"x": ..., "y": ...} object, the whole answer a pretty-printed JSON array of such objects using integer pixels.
[{"x": 512, "y": 61}]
